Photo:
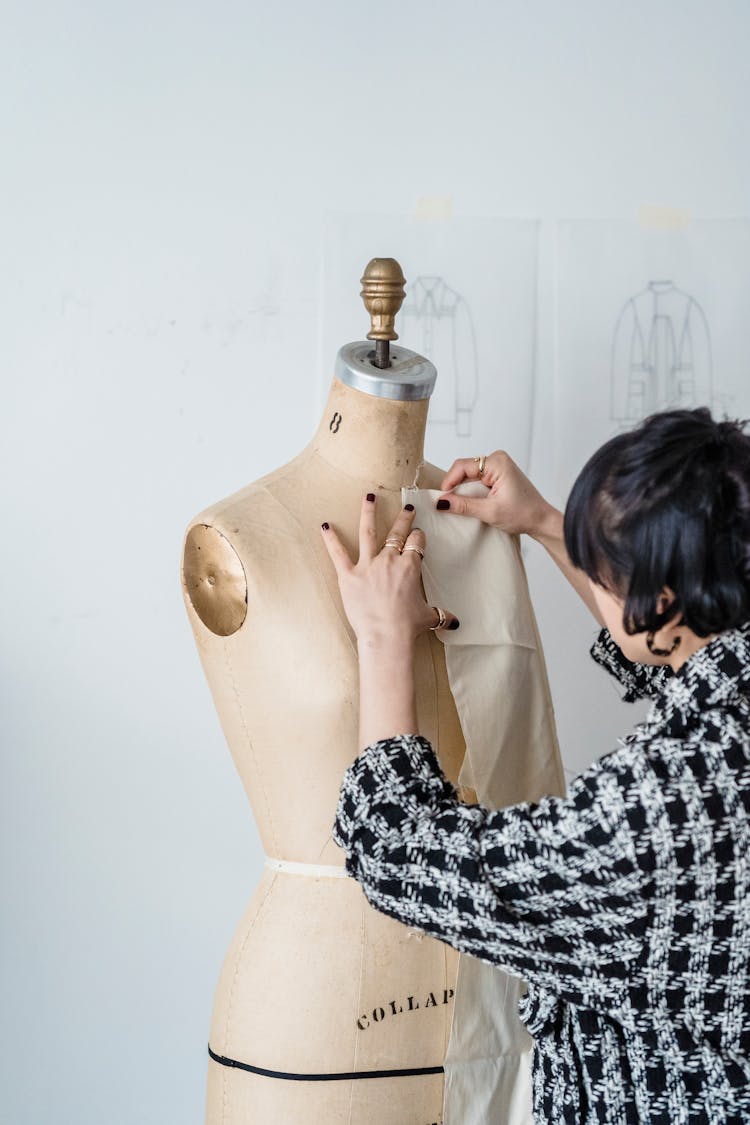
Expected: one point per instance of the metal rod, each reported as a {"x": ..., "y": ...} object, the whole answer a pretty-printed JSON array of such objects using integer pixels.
[{"x": 382, "y": 353}]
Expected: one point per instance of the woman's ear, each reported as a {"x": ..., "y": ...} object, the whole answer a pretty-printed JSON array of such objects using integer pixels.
[{"x": 665, "y": 599}]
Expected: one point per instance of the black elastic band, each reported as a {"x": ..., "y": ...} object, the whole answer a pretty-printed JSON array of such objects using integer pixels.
[{"x": 336, "y": 1077}]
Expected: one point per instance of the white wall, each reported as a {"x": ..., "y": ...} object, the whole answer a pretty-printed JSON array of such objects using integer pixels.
[{"x": 166, "y": 170}]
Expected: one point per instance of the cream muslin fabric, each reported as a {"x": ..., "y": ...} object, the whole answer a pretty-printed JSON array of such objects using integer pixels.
[{"x": 499, "y": 683}]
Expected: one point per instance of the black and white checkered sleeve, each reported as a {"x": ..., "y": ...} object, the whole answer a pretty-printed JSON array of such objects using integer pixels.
[
  {"x": 639, "y": 680},
  {"x": 550, "y": 891}
]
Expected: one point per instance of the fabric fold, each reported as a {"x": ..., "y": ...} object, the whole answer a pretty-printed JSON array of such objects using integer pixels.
[{"x": 498, "y": 680}]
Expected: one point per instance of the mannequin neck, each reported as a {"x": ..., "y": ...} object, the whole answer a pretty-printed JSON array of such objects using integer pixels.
[{"x": 376, "y": 441}]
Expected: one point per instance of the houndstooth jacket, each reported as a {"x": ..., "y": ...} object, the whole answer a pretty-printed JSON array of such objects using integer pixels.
[{"x": 625, "y": 905}]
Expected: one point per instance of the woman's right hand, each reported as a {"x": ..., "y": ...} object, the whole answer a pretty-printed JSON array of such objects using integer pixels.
[{"x": 513, "y": 504}]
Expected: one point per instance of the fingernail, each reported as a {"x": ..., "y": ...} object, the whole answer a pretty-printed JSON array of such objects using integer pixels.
[
  {"x": 443, "y": 505},
  {"x": 370, "y": 496},
  {"x": 325, "y": 526},
  {"x": 408, "y": 507},
  {"x": 454, "y": 624}
]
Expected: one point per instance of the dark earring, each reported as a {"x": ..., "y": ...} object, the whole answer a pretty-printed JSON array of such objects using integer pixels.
[{"x": 660, "y": 651}]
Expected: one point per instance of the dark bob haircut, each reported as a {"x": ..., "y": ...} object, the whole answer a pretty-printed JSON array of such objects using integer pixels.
[{"x": 668, "y": 504}]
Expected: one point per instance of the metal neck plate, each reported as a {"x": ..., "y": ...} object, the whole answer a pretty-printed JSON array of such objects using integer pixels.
[{"x": 410, "y": 376}]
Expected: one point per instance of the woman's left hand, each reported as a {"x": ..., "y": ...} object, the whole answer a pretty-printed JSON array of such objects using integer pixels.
[{"x": 382, "y": 591}]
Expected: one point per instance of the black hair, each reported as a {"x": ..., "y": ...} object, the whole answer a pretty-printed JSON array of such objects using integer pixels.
[{"x": 667, "y": 503}]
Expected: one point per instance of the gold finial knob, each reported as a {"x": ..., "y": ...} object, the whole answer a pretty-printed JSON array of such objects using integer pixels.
[{"x": 383, "y": 293}]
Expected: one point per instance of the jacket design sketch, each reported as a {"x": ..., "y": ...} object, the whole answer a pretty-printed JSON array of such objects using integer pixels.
[
  {"x": 661, "y": 354},
  {"x": 437, "y": 323},
  {"x": 625, "y": 905}
]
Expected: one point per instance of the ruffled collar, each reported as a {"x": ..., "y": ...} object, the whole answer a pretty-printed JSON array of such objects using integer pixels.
[{"x": 717, "y": 675}]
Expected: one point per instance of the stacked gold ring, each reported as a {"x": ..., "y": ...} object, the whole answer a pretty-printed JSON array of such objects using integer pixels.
[
  {"x": 413, "y": 547},
  {"x": 394, "y": 541}
]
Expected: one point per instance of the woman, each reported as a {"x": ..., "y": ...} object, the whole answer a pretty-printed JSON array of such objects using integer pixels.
[{"x": 624, "y": 905}]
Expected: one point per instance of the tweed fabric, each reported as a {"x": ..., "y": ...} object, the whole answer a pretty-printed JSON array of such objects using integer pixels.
[{"x": 624, "y": 905}]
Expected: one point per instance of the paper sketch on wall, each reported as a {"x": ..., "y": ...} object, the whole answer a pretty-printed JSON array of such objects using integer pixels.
[
  {"x": 661, "y": 354},
  {"x": 647, "y": 319},
  {"x": 436, "y": 321}
]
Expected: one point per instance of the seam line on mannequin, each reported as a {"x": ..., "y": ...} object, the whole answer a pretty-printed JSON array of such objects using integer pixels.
[
  {"x": 248, "y": 739},
  {"x": 447, "y": 1025},
  {"x": 237, "y": 960},
  {"x": 224, "y": 1097},
  {"x": 362, "y": 939},
  {"x": 305, "y": 538},
  {"x": 260, "y": 483},
  {"x": 358, "y": 478}
]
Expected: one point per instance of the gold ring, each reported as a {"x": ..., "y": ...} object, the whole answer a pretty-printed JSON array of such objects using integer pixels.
[
  {"x": 441, "y": 617},
  {"x": 394, "y": 541},
  {"x": 413, "y": 547},
  {"x": 480, "y": 461}
]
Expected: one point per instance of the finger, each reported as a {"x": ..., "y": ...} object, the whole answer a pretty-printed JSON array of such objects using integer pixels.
[
  {"x": 433, "y": 615},
  {"x": 403, "y": 523},
  {"x": 368, "y": 536},
  {"x": 414, "y": 546},
  {"x": 455, "y": 474},
  {"x": 467, "y": 468},
  {"x": 339, "y": 555},
  {"x": 458, "y": 505}
]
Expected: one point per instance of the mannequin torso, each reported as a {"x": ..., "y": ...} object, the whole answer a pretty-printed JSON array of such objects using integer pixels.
[{"x": 315, "y": 981}]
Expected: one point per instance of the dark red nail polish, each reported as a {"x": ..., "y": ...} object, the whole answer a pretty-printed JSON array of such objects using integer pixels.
[
  {"x": 454, "y": 624},
  {"x": 408, "y": 507},
  {"x": 370, "y": 496},
  {"x": 325, "y": 526},
  {"x": 443, "y": 505}
]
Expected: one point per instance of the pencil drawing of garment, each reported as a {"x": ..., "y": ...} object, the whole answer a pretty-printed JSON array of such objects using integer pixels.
[
  {"x": 661, "y": 354},
  {"x": 436, "y": 322}
]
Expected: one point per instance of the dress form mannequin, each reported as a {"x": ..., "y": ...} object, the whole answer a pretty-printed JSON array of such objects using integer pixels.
[{"x": 315, "y": 981}]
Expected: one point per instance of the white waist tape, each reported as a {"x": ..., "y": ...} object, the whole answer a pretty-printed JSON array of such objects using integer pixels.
[{"x": 288, "y": 866}]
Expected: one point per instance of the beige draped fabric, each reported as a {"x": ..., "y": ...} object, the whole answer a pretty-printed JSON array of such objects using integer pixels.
[{"x": 499, "y": 683}]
